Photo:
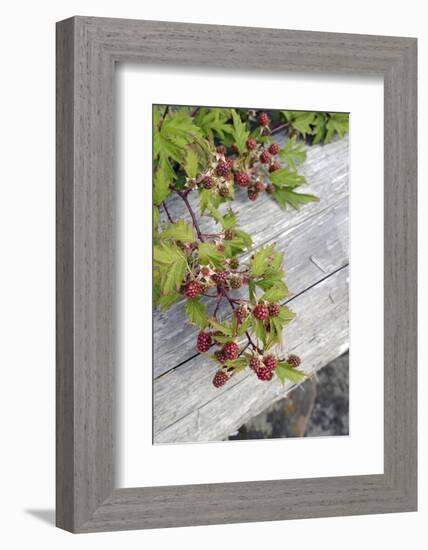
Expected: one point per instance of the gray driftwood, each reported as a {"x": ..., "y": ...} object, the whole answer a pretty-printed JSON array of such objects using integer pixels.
[
  {"x": 88, "y": 498},
  {"x": 315, "y": 241}
]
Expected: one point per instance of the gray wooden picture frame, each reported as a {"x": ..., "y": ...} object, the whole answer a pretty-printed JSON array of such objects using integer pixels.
[{"x": 87, "y": 50}]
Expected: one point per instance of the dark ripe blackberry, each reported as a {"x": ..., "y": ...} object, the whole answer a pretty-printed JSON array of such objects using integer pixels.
[
  {"x": 231, "y": 350},
  {"x": 294, "y": 360},
  {"x": 241, "y": 312},
  {"x": 252, "y": 194},
  {"x": 265, "y": 157},
  {"x": 270, "y": 361},
  {"x": 242, "y": 179},
  {"x": 193, "y": 289},
  {"x": 224, "y": 192},
  {"x": 274, "y": 148},
  {"x": 219, "y": 277},
  {"x": 207, "y": 182},
  {"x": 204, "y": 342},
  {"x": 229, "y": 234},
  {"x": 260, "y": 187},
  {"x": 265, "y": 374},
  {"x": 255, "y": 363},
  {"x": 221, "y": 150},
  {"x": 220, "y": 379},
  {"x": 235, "y": 282},
  {"x": 274, "y": 166},
  {"x": 251, "y": 144},
  {"x": 223, "y": 169},
  {"x": 261, "y": 312},
  {"x": 233, "y": 263},
  {"x": 263, "y": 119},
  {"x": 274, "y": 310},
  {"x": 270, "y": 188}
]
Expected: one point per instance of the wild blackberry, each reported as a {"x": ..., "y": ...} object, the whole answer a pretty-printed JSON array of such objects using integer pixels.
[
  {"x": 233, "y": 263},
  {"x": 263, "y": 119},
  {"x": 231, "y": 350},
  {"x": 252, "y": 194},
  {"x": 294, "y": 360},
  {"x": 265, "y": 157},
  {"x": 235, "y": 282},
  {"x": 274, "y": 148},
  {"x": 219, "y": 277},
  {"x": 260, "y": 187},
  {"x": 221, "y": 150},
  {"x": 241, "y": 312},
  {"x": 270, "y": 188},
  {"x": 274, "y": 166},
  {"x": 242, "y": 179},
  {"x": 255, "y": 363},
  {"x": 224, "y": 192},
  {"x": 261, "y": 312},
  {"x": 204, "y": 342},
  {"x": 270, "y": 361},
  {"x": 265, "y": 374},
  {"x": 220, "y": 356},
  {"x": 220, "y": 378},
  {"x": 207, "y": 182},
  {"x": 274, "y": 310},
  {"x": 229, "y": 234},
  {"x": 222, "y": 169},
  {"x": 251, "y": 144},
  {"x": 193, "y": 289}
]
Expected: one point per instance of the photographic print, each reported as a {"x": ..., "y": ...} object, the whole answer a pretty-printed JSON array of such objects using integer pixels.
[{"x": 250, "y": 273}]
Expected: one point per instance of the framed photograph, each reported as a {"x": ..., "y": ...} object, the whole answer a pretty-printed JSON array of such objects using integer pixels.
[{"x": 236, "y": 274}]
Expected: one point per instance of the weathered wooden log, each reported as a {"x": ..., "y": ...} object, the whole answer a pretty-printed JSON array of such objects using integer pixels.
[{"x": 315, "y": 242}]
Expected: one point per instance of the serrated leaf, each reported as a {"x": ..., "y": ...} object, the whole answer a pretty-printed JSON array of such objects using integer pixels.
[
  {"x": 179, "y": 231},
  {"x": 284, "y": 372},
  {"x": 240, "y": 132},
  {"x": 286, "y": 315},
  {"x": 276, "y": 293},
  {"x": 238, "y": 365},
  {"x": 208, "y": 254},
  {"x": 168, "y": 300},
  {"x": 285, "y": 178},
  {"x": 229, "y": 219},
  {"x": 286, "y": 196},
  {"x": 161, "y": 188},
  {"x": 337, "y": 122},
  {"x": 214, "y": 213},
  {"x": 244, "y": 326},
  {"x": 156, "y": 217},
  {"x": 172, "y": 277},
  {"x": 293, "y": 153},
  {"x": 225, "y": 329},
  {"x": 221, "y": 339},
  {"x": 260, "y": 261},
  {"x": 196, "y": 312},
  {"x": 191, "y": 163},
  {"x": 259, "y": 329}
]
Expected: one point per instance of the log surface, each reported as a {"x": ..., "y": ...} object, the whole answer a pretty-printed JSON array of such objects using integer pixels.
[{"x": 187, "y": 408}]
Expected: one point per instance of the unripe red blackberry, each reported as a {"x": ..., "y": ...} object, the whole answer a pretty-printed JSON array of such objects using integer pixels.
[
  {"x": 251, "y": 144},
  {"x": 224, "y": 192},
  {"x": 274, "y": 166},
  {"x": 207, "y": 182},
  {"x": 235, "y": 282},
  {"x": 265, "y": 374},
  {"x": 265, "y": 157},
  {"x": 219, "y": 277},
  {"x": 252, "y": 194},
  {"x": 220, "y": 379},
  {"x": 221, "y": 150},
  {"x": 270, "y": 361},
  {"x": 235, "y": 148},
  {"x": 261, "y": 312},
  {"x": 231, "y": 350},
  {"x": 220, "y": 356},
  {"x": 229, "y": 162},
  {"x": 229, "y": 234},
  {"x": 274, "y": 148},
  {"x": 263, "y": 119},
  {"x": 193, "y": 289},
  {"x": 270, "y": 188},
  {"x": 223, "y": 169},
  {"x": 233, "y": 263},
  {"x": 241, "y": 312},
  {"x": 242, "y": 179},
  {"x": 294, "y": 360},
  {"x": 260, "y": 187},
  {"x": 274, "y": 310},
  {"x": 255, "y": 363},
  {"x": 204, "y": 342}
]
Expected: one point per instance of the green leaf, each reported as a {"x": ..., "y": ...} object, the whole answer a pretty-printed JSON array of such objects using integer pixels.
[
  {"x": 259, "y": 329},
  {"x": 244, "y": 326},
  {"x": 214, "y": 213},
  {"x": 191, "y": 164},
  {"x": 286, "y": 196},
  {"x": 284, "y": 372},
  {"x": 221, "y": 339},
  {"x": 172, "y": 277},
  {"x": 337, "y": 122},
  {"x": 238, "y": 365},
  {"x": 161, "y": 188},
  {"x": 301, "y": 120},
  {"x": 208, "y": 254},
  {"x": 168, "y": 300},
  {"x": 196, "y": 312},
  {"x": 156, "y": 217},
  {"x": 276, "y": 293},
  {"x": 284, "y": 177},
  {"x": 229, "y": 219},
  {"x": 214, "y": 122},
  {"x": 286, "y": 315},
  {"x": 240, "y": 132},
  {"x": 260, "y": 261},
  {"x": 225, "y": 329},
  {"x": 293, "y": 153},
  {"x": 179, "y": 231}
]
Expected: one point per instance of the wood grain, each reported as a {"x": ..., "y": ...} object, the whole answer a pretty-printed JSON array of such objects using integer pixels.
[{"x": 87, "y": 49}]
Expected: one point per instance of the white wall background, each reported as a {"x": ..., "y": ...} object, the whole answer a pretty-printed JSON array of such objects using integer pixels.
[{"x": 27, "y": 271}]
